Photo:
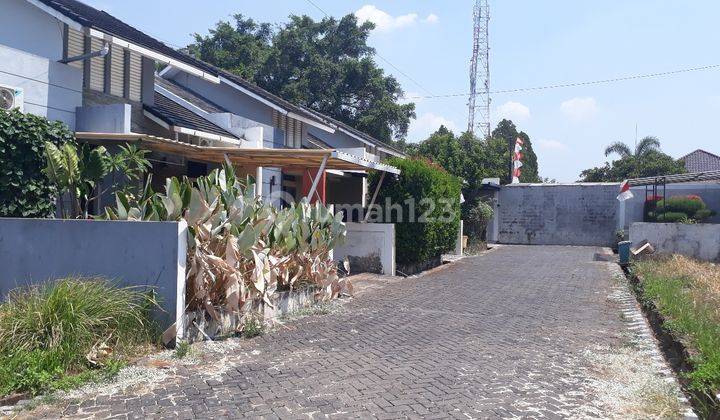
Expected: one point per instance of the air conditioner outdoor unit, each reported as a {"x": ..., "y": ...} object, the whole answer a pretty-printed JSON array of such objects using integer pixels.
[{"x": 11, "y": 98}]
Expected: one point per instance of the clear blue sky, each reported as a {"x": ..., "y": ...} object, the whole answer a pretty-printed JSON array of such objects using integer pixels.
[{"x": 532, "y": 44}]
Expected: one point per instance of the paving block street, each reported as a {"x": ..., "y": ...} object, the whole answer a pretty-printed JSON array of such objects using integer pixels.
[{"x": 503, "y": 334}]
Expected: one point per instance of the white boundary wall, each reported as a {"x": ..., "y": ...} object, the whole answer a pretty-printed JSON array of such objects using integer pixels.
[
  {"x": 701, "y": 241},
  {"x": 368, "y": 239}
]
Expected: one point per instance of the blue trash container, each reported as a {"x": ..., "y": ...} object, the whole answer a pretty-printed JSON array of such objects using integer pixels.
[{"x": 624, "y": 252}]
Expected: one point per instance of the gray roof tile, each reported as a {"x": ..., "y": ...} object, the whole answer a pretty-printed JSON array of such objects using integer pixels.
[{"x": 701, "y": 161}]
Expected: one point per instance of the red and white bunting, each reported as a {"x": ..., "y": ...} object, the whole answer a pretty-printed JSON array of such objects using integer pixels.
[
  {"x": 517, "y": 158},
  {"x": 625, "y": 193}
]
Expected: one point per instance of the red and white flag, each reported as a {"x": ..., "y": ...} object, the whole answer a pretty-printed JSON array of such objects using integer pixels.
[{"x": 625, "y": 193}]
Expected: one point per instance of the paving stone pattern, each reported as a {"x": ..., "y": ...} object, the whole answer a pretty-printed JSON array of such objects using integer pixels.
[{"x": 491, "y": 336}]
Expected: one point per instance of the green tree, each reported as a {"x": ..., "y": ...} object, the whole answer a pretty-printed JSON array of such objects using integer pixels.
[
  {"x": 646, "y": 160},
  {"x": 506, "y": 130},
  {"x": 646, "y": 145},
  {"x": 241, "y": 49},
  {"x": 325, "y": 65}
]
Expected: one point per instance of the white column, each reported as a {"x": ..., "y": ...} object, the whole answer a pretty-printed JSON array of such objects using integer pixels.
[{"x": 259, "y": 182}]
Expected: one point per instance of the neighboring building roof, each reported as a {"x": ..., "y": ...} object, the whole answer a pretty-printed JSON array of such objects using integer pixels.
[
  {"x": 701, "y": 161},
  {"x": 90, "y": 17},
  {"x": 358, "y": 133},
  {"x": 176, "y": 115},
  {"x": 262, "y": 93},
  {"x": 188, "y": 95}
]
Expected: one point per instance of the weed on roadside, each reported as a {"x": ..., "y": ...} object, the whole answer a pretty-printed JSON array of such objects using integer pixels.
[{"x": 253, "y": 326}]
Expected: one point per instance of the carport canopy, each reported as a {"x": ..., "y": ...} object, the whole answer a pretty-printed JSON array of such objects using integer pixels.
[{"x": 276, "y": 158}]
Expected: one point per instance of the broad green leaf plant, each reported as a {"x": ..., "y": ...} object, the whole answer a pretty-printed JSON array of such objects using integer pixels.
[
  {"x": 79, "y": 170},
  {"x": 241, "y": 249}
]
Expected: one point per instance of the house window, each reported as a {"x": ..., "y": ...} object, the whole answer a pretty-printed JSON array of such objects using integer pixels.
[{"x": 293, "y": 129}]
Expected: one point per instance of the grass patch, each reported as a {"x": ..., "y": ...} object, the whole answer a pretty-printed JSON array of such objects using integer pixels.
[
  {"x": 61, "y": 334},
  {"x": 687, "y": 294}
]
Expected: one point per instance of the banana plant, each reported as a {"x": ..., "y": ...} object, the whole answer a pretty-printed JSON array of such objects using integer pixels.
[{"x": 77, "y": 172}]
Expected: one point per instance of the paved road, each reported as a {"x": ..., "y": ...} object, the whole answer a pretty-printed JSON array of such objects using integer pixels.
[{"x": 494, "y": 335}]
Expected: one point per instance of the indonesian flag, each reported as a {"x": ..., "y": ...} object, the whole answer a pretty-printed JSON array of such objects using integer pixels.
[
  {"x": 625, "y": 193},
  {"x": 517, "y": 158}
]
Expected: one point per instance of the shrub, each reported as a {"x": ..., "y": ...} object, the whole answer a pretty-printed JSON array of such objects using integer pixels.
[
  {"x": 684, "y": 209},
  {"x": 478, "y": 217},
  {"x": 671, "y": 217},
  {"x": 24, "y": 190},
  {"x": 63, "y": 327},
  {"x": 422, "y": 189}
]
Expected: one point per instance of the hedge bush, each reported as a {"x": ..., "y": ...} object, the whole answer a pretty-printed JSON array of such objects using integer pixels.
[
  {"x": 24, "y": 190},
  {"x": 421, "y": 182},
  {"x": 683, "y": 209}
]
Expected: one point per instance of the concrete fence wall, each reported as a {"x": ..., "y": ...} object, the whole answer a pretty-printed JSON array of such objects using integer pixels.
[
  {"x": 150, "y": 254},
  {"x": 701, "y": 241},
  {"x": 370, "y": 247},
  {"x": 556, "y": 214}
]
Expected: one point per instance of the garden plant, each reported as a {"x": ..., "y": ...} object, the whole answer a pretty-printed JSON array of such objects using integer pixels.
[
  {"x": 241, "y": 249},
  {"x": 61, "y": 333},
  {"x": 678, "y": 209}
]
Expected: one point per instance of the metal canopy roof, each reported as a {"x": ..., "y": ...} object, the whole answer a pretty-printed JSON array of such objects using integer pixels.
[
  {"x": 675, "y": 179},
  {"x": 279, "y": 158}
]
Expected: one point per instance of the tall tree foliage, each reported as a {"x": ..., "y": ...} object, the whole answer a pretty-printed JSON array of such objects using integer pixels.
[
  {"x": 645, "y": 160},
  {"x": 467, "y": 157},
  {"x": 325, "y": 65}
]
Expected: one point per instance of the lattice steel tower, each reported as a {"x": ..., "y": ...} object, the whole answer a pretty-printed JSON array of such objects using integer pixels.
[{"x": 480, "y": 70}]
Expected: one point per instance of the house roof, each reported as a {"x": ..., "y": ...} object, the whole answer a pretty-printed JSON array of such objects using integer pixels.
[
  {"x": 90, "y": 17},
  {"x": 701, "y": 161},
  {"x": 358, "y": 133},
  {"x": 100, "y": 20},
  {"x": 262, "y": 93},
  {"x": 188, "y": 95},
  {"x": 303, "y": 111},
  {"x": 176, "y": 115}
]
